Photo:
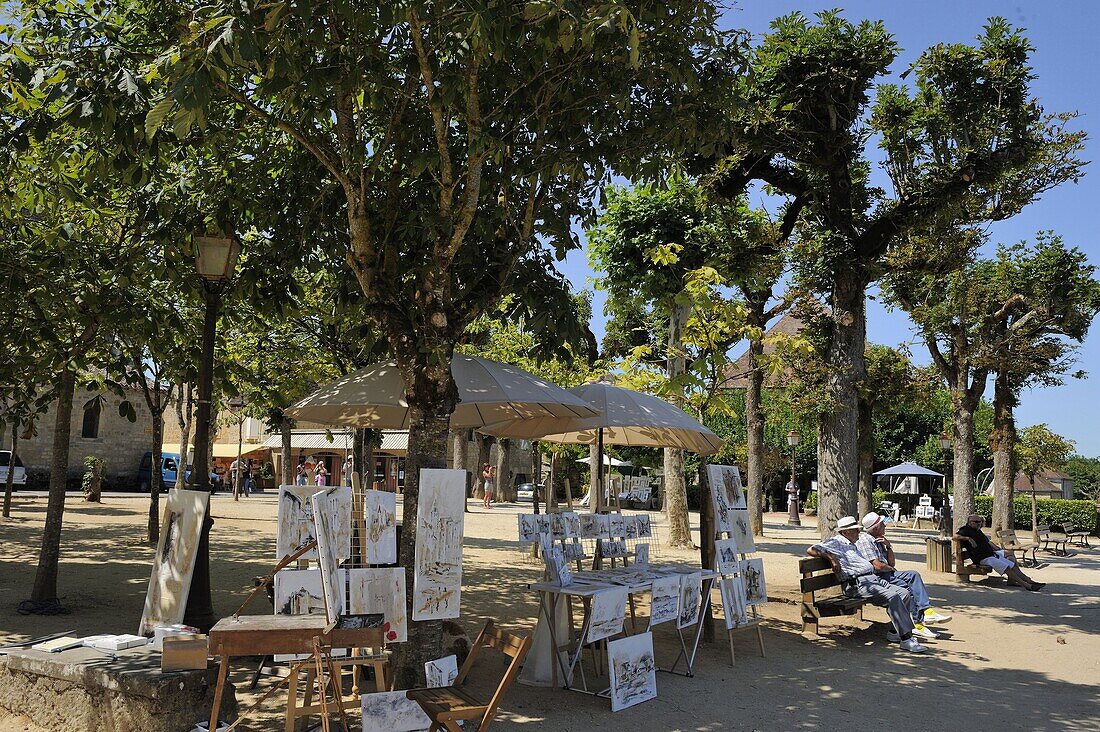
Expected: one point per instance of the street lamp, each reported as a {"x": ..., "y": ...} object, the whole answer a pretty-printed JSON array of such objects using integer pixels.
[
  {"x": 215, "y": 259},
  {"x": 236, "y": 404},
  {"x": 792, "y": 519},
  {"x": 946, "y": 521}
]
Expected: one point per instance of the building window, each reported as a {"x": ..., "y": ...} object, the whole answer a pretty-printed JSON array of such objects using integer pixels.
[{"x": 89, "y": 430}]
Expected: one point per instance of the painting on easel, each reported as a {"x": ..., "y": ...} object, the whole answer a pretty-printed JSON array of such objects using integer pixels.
[
  {"x": 752, "y": 573},
  {"x": 295, "y": 527},
  {"x": 733, "y": 602},
  {"x": 174, "y": 561},
  {"x": 727, "y": 494},
  {"x": 437, "y": 581},
  {"x": 380, "y": 590},
  {"x": 381, "y": 521},
  {"x": 690, "y": 599},
  {"x": 329, "y": 534}
]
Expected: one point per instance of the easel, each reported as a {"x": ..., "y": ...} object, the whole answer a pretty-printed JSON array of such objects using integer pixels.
[{"x": 754, "y": 620}]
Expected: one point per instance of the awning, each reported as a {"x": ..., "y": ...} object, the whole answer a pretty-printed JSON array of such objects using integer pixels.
[
  {"x": 393, "y": 441},
  {"x": 221, "y": 449},
  {"x": 909, "y": 468}
]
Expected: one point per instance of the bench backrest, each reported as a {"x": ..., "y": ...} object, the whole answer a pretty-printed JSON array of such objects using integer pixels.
[
  {"x": 1007, "y": 537},
  {"x": 817, "y": 574}
]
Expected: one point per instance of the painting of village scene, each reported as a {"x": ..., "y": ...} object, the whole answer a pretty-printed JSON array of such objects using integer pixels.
[
  {"x": 725, "y": 551},
  {"x": 437, "y": 582},
  {"x": 690, "y": 600},
  {"x": 633, "y": 670},
  {"x": 295, "y": 527},
  {"x": 381, "y": 532},
  {"x": 665, "y": 600}
]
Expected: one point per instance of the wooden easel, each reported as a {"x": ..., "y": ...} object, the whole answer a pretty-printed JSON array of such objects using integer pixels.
[{"x": 754, "y": 620}]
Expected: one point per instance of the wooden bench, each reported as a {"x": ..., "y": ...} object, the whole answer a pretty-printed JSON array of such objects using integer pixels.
[
  {"x": 1010, "y": 543},
  {"x": 963, "y": 568},
  {"x": 819, "y": 598},
  {"x": 1047, "y": 540},
  {"x": 1075, "y": 536}
]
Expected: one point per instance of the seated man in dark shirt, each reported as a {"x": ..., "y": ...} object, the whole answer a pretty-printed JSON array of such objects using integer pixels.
[{"x": 981, "y": 551}]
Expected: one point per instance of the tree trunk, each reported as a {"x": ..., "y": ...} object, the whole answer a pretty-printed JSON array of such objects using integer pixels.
[
  {"x": 372, "y": 440},
  {"x": 45, "y": 579},
  {"x": 286, "y": 450},
  {"x": 838, "y": 428},
  {"x": 184, "y": 406},
  {"x": 1003, "y": 441},
  {"x": 431, "y": 395},
  {"x": 754, "y": 420},
  {"x": 595, "y": 470},
  {"x": 679, "y": 521},
  {"x": 866, "y": 458},
  {"x": 505, "y": 487},
  {"x": 359, "y": 459},
  {"x": 152, "y": 534},
  {"x": 962, "y": 475},
  {"x": 706, "y": 543},
  {"x": 458, "y": 460},
  {"x": 552, "y": 484},
  {"x": 536, "y": 474},
  {"x": 9, "y": 483}
]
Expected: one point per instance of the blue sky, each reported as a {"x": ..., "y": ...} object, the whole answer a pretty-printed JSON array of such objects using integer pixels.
[{"x": 1066, "y": 63}]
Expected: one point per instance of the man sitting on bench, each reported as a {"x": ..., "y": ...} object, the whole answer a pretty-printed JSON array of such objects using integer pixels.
[
  {"x": 876, "y": 549},
  {"x": 857, "y": 577},
  {"x": 981, "y": 551}
]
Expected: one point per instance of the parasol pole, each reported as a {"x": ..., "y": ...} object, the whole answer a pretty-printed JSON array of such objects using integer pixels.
[{"x": 599, "y": 467}]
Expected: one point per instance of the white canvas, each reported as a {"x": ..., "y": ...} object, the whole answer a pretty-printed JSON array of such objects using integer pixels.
[
  {"x": 733, "y": 601},
  {"x": 616, "y": 525},
  {"x": 608, "y": 614},
  {"x": 441, "y": 672},
  {"x": 725, "y": 551},
  {"x": 571, "y": 524},
  {"x": 665, "y": 600},
  {"x": 174, "y": 561},
  {"x": 742, "y": 531},
  {"x": 393, "y": 711},
  {"x": 641, "y": 554},
  {"x": 690, "y": 600},
  {"x": 295, "y": 527},
  {"x": 529, "y": 528},
  {"x": 726, "y": 494},
  {"x": 298, "y": 592},
  {"x": 645, "y": 527},
  {"x": 328, "y": 560},
  {"x": 380, "y": 542},
  {"x": 437, "y": 582},
  {"x": 752, "y": 574},
  {"x": 595, "y": 526},
  {"x": 557, "y": 566},
  {"x": 633, "y": 670},
  {"x": 380, "y": 590}
]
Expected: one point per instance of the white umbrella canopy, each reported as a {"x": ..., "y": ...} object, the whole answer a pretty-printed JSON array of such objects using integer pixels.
[
  {"x": 627, "y": 417},
  {"x": 488, "y": 391},
  {"x": 611, "y": 462}
]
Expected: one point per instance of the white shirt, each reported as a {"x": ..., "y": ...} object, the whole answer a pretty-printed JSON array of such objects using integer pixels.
[
  {"x": 870, "y": 549},
  {"x": 852, "y": 563}
]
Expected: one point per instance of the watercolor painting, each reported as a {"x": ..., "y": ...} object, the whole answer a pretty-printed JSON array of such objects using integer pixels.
[
  {"x": 325, "y": 516},
  {"x": 645, "y": 527},
  {"x": 690, "y": 600},
  {"x": 295, "y": 527},
  {"x": 437, "y": 581},
  {"x": 665, "y": 600},
  {"x": 742, "y": 532},
  {"x": 607, "y": 614},
  {"x": 298, "y": 592},
  {"x": 616, "y": 525},
  {"x": 752, "y": 574},
  {"x": 726, "y": 493},
  {"x": 725, "y": 551},
  {"x": 595, "y": 526},
  {"x": 441, "y": 672},
  {"x": 174, "y": 561},
  {"x": 380, "y": 541},
  {"x": 641, "y": 554},
  {"x": 633, "y": 670},
  {"x": 393, "y": 711},
  {"x": 733, "y": 601},
  {"x": 380, "y": 590}
]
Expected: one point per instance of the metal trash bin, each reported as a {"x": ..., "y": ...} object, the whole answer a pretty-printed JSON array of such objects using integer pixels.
[{"x": 939, "y": 554}]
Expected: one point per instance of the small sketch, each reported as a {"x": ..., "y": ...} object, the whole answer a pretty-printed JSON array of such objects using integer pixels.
[
  {"x": 595, "y": 526},
  {"x": 613, "y": 547},
  {"x": 742, "y": 532},
  {"x": 630, "y": 527},
  {"x": 752, "y": 574},
  {"x": 726, "y": 552},
  {"x": 557, "y": 566},
  {"x": 665, "y": 600},
  {"x": 607, "y": 614},
  {"x": 381, "y": 521},
  {"x": 733, "y": 601},
  {"x": 690, "y": 600},
  {"x": 616, "y": 525},
  {"x": 557, "y": 529},
  {"x": 393, "y": 711},
  {"x": 641, "y": 554},
  {"x": 528, "y": 528},
  {"x": 573, "y": 550},
  {"x": 727, "y": 494},
  {"x": 299, "y": 592},
  {"x": 571, "y": 524},
  {"x": 645, "y": 528},
  {"x": 633, "y": 670},
  {"x": 441, "y": 672},
  {"x": 295, "y": 527},
  {"x": 437, "y": 582}
]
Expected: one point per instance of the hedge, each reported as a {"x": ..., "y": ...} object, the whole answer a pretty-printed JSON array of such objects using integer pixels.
[{"x": 1053, "y": 512}]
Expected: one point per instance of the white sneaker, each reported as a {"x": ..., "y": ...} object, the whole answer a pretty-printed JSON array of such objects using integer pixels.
[
  {"x": 912, "y": 646},
  {"x": 892, "y": 636},
  {"x": 932, "y": 615},
  {"x": 924, "y": 632}
]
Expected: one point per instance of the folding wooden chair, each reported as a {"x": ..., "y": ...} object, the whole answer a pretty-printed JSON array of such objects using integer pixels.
[{"x": 448, "y": 704}]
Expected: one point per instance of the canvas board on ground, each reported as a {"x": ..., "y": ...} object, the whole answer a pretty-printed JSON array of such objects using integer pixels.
[{"x": 174, "y": 561}]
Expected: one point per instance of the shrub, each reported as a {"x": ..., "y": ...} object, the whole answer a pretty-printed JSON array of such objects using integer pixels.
[
  {"x": 811, "y": 501},
  {"x": 1053, "y": 512}
]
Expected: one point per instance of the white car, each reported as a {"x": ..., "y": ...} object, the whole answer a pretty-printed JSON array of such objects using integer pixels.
[{"x": 20, "y": 471}]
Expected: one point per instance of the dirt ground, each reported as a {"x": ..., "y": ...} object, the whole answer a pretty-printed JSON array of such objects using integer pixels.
[{"x": 1009, "y": 659}]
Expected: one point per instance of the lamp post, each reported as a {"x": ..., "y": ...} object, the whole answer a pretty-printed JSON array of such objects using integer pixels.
[
  {"x": 216, "y": 258},
  {"x": 236, "y": 404},
  {"x": 792, "y": 519},
  {"x": 946, "y": 521}
]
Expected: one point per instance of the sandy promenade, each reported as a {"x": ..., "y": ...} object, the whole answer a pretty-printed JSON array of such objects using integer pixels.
[{"x": 1010, "y": 659}]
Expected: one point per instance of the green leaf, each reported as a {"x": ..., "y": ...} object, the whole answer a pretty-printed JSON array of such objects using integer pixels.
[{"x": 155, "y": 119}]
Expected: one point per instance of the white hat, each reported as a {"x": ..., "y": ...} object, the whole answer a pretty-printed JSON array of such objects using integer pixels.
[
  {"x": 847, "y": 522},
  {"x": 871, "y": 520}
]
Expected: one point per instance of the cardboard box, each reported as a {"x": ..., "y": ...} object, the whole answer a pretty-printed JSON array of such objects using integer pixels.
[{"x": 184, "y": 653}]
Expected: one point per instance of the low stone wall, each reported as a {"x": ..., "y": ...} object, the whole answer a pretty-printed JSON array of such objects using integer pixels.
[{"x": 82, "y": 690}]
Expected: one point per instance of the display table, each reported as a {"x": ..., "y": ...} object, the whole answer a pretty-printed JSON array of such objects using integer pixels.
[{"x": 83, "y": 689}]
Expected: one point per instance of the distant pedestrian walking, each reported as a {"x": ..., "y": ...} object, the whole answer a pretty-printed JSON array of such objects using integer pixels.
[
  {"x": 303, "y": 474},
  {"x": 322, "y": 474}
]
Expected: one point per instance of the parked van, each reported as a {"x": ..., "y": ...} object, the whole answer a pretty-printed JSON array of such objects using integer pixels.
[
  {"x": 169, "y": 471},
  {"x": 20, "y": 472}
]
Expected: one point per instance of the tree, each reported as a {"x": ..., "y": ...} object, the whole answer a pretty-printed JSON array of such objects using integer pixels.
[
  {"x": 968, "y": 126},
  {"x": 1085, "y": 473},
  {"x": 1040, "y": 449}
]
